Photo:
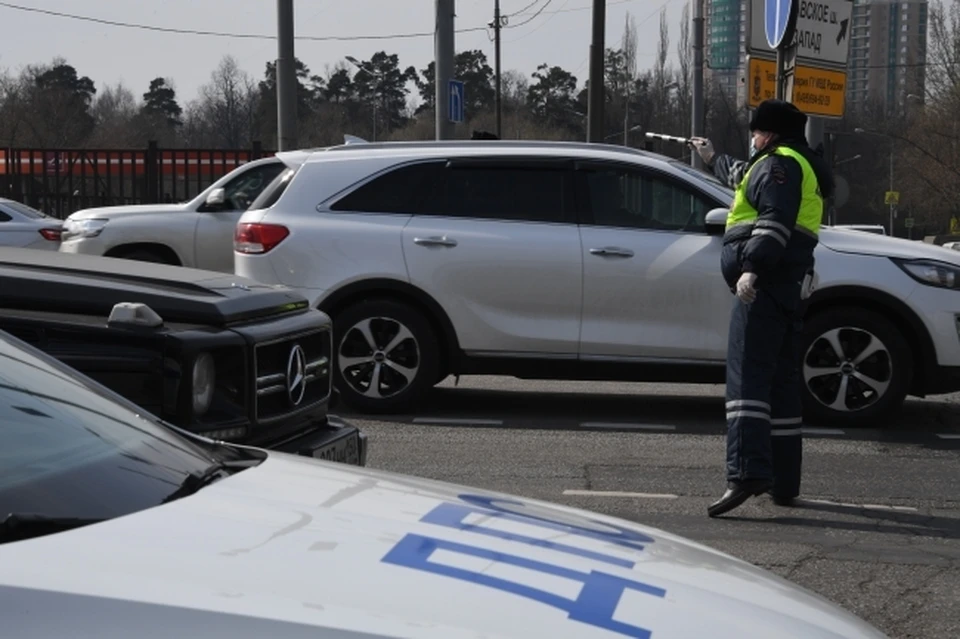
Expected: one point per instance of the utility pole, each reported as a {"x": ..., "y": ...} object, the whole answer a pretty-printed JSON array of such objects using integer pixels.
[
  {"x": 497, "y": 25},
  {"x": 814, "y": 133},
  {"x": 443, "y": 67},
  {"x": 697, "y": 109},
  {"x": 595, "y": 94},
  {"x": 286, "y": 78},
  {"x": 893, "y": 207}
]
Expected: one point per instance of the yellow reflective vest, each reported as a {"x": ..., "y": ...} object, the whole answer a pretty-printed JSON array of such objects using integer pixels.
[{"x": 811, "y": 203}]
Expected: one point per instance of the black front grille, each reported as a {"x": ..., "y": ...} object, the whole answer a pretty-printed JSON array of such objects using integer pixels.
[{"x": 279, "y": 368}]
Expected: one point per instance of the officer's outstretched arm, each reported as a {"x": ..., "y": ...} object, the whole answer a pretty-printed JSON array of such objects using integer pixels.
[
  {"x": 775, "y": 190},
  {"x": 728, "y": 169}
]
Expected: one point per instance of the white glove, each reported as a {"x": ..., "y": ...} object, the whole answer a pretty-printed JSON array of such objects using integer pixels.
[
  {"x": 809, "y": 285},
  {"x": 704, "y": 147},
  {"x": 745, "y": 291}
]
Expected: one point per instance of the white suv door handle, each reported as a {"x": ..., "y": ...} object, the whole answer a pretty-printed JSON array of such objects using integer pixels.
[
  {"x": 434, "y": 241},
  {"x": 612, "y": 251}
]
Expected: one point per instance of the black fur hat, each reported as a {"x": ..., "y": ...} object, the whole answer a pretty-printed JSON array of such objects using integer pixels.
[{"x": 777, "y": 116}]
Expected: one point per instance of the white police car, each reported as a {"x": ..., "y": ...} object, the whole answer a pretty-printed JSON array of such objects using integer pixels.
[{"x": 117, "y": 526}]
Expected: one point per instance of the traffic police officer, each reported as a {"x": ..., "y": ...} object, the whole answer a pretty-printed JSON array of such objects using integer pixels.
[{"x": 767, "y": 261}]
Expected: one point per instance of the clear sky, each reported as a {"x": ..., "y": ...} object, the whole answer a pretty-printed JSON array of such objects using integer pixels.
[{"x": 559, "y": 35}]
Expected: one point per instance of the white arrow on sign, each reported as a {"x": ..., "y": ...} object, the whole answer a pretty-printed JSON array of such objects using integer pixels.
[{"x": 822, "y": 34}]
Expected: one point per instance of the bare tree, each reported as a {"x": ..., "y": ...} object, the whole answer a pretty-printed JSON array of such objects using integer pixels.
[
  {"x": 684, "y": 77},
  {"x": 660, "y": 82},
  {"x": 13, "y": 109},
  {"x": 628, "y": 49},
  {"x": 115, "y": 113},
  {"x": 228, "y": 105},
  {"x": 943, "y": 53}
]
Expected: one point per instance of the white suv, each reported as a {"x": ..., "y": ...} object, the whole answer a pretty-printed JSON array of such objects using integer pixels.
[
  {"x": 197, "y": 233},
  {"x": 573, "y": 261}
]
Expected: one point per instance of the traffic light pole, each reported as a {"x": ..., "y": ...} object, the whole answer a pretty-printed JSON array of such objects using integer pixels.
[
  {"x": 595, "y": 90},
  {"x": 286, "y": 78}
]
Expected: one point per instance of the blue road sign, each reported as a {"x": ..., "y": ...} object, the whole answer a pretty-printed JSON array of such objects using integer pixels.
[
  {"x": 776, "y": 20},
  {"x": 455, "y": 101}
]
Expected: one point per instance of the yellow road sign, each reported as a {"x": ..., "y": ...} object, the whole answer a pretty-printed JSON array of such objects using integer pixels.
[
  {"x": 818, "y": 92},
  {"x": 891, "y": 197}
]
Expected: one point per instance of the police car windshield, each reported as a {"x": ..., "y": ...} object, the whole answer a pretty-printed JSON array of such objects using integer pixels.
[{"x": 69, "y": 449}]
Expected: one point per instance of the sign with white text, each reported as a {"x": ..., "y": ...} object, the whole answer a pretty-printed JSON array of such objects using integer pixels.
[{"x": 822, "y": 34}]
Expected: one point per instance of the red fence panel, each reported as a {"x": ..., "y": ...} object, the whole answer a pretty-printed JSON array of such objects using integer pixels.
[{"x": 61, "y": 181}]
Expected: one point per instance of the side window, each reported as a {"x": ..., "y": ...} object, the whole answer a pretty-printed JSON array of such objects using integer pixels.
[
  {"x": 677, "y": 208},
  {"x": 241, "y": 191},
  {"x": 269, "y": 196},
  {"x": 622, "y": 197},
  {"x": 401, "y": 190},
  {"x": 4, "y": 217},
  {"x": 512, "y": 193},
  {"x": 519, "y": 193}
]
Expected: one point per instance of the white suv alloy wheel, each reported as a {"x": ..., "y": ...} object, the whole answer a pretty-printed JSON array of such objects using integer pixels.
[{"x": 378, "y": 357}]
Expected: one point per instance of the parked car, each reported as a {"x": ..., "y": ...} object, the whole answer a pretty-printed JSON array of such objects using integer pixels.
[
  {"x": 116, "y": 525},
  {"x": 26, "y": 227},
  {"x": 215, "y": 354},
  {"x": 573, "y": 261},
  {"x": 196, "y": 234}
]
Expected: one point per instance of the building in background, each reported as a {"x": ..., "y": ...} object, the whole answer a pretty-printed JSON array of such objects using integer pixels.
[
  {"x": 888, "y": 51},
  {"x": 726, "y": 41}
]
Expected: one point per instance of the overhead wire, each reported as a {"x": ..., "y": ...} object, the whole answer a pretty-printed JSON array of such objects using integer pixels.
[
  {"x": 521, "y": 11},
  {"x": 222, "y": 34},
  {"x": 531, "y": 18},
  {"x": 261, "y": 36}
]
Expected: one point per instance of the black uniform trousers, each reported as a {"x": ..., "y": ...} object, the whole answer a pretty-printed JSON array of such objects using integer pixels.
[{"x": 764, "y": 413}]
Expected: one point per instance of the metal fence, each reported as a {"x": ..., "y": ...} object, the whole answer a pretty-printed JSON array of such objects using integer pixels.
[{"x": 61, "y": 181}]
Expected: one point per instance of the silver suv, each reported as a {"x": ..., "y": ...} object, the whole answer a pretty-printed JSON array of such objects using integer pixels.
[{"x": 573, "y": 261}]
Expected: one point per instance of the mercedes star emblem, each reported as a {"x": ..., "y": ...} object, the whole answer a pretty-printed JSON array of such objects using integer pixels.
[{"x": 296, "y": 375}]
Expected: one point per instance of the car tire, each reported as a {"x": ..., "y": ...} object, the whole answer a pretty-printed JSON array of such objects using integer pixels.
[
  {"x": 405, "y": 371},
  {"x": 848, "y": 389},
  {"x": 147, "y": 255}
]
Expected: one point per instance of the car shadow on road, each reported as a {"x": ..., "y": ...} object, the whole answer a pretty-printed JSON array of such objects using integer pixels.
[
  {"x": 696, "y": 414},
  {"x": 574, "y": 406},
  {"x": 896, "y": 522}
]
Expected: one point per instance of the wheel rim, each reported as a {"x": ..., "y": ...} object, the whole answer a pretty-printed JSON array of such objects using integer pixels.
[
  {"x": 847, "y": 369},
  {"x": 378, "y": 357}
]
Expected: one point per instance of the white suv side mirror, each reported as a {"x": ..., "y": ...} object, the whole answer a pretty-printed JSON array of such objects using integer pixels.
[
  {"x": 716, "y": 221},
  {"x": 216, "y": 197}
]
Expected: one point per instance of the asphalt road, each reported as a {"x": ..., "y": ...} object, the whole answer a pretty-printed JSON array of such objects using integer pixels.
[{"x": 878, "y": 531}]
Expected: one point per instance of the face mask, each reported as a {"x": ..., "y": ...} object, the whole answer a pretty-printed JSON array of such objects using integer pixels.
[{"x": 753, "y": 149}]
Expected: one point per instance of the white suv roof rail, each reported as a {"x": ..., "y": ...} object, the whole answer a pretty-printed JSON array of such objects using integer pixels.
[{"x": 485, "y": 144}]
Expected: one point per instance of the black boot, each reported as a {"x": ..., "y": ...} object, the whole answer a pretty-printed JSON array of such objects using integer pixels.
[
  {"x": 779, "y": 500},
  {"x": 737, "y": 493}
]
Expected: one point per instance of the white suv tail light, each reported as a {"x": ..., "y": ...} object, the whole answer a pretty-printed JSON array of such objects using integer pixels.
[{"x": 255, "y": 238}]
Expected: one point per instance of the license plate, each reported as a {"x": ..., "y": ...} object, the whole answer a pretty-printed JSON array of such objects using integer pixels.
[{"x": 345, "y": 450}]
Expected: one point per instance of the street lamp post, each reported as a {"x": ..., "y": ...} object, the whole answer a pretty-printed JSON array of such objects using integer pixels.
[
  {"x": 893, "y": 207},
  {"x": 377, "y": 77}
]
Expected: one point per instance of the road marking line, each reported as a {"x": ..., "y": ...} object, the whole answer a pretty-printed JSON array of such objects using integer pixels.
[
  {"x": 618, "y": 493},
  {"x": 823, "y": 431},
  {"x": 628, "y": 425},
  {"x": 870, "y": 506},
  {"x": 453, "y": 421},
  {"x": 948, "y": 435}
]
